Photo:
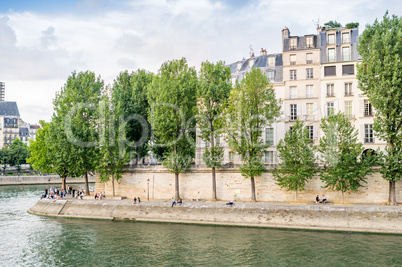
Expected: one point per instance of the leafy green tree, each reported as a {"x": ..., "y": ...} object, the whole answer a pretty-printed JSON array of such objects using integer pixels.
[
  {"x": 113, "y": 149},
  {"x": 332, "y": 24},
  {"x": 130, "y": 103},
  {"x": 380, "y": 78},
  {"x": 4, "y": 158},
  {"x": 297, "y": 159},
  {"x": 76, "y": 110},
  {"x": 252, "y": 106},
  {"x": 172, "y": 98},
  {"x": 352, "y": 25},
  {"x": 344, "y": 168},
  {"x": 212, "y": 94},
  {"x": 18, "y": 154}
]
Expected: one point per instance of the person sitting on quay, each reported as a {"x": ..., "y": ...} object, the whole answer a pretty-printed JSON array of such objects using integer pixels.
[
  {"x": 135, "y": 200},
  {"x": 317, "y": 199},
  {"x": 180, "y": 201},
  {"x": 139, "y": 200},
  {"x": 324, "y": 199},
  {"x": 230, "y": 203}
]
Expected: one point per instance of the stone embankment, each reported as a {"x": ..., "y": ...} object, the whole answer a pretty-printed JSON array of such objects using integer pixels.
[
  {"x": 361, "y": 218},
  {"x": 37, "y": 179}
]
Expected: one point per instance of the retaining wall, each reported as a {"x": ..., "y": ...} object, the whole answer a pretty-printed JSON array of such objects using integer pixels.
[{"x": 36, "y": 179}]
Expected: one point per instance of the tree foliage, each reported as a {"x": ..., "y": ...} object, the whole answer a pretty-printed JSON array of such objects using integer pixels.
[
  {"x": 252, "y": 106},
  {"x": 380, "y": 78},
  {"x": 18, "y": 154},
  {"x": 352, "y": 25},
  {"x": 345, "y": 169},
  {"x": 332, "y": 24},
  {"x": 297, "y": 159}
]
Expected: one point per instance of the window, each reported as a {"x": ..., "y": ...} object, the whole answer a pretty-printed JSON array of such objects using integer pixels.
[
  {"x": 231, "y": 156},
  {"x": 269, "y": 157},
  {"x": 345, "y": 37},
  {"x": 309, "y": 111},
  {"x": 331, "y": 54},
  {"x": 238, "y": 65},
  {"x": 293, "y": 74},
  {"x": 269, "y": 136},
  {"x": 251, "y": 63},
  {"x": 207, "y": 144},
  {"x": 292, "y": 59},
  {"x": 330, "y": 89},
  {"x": 309, "y": 74},
  {"x": 329, "y": 71},
  {"x": 271, "y": 75},
  {"x": 346, "y": 53},
  {"x": 293, "y": 43},
  {"x": 309, "y": 91},
  {"x": 309, "y": 58},
  {"x": 310, "y": 132},
  {"x": 292, "y": 92},
  {"x": 368, "y": 109},
  {"x": 293, "y": 112},
  {"x": 348, "y": 89},
  {"x": 348, "y": 69},
  {"x": 331, "y": 38},
  {"x": 330, "y": 108},
  {"x": 271, "y": 61},
  {"x": 217, "y": 140},
  {"x": 368, "y": 133},
  {"x": 309, "y": 41},
  {"x": 348, "y": 109}
]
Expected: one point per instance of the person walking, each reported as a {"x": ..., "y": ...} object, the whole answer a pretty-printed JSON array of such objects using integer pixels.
[{"x": 173, "y": 202}]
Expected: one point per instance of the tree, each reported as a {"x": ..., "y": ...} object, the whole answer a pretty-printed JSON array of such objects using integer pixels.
[
  {"x": 380, "y": 78},
  {"x": 344, "y": 168},
  {"x": 252, "y": 106},
  {"x": 352, "y": 25},
  {"x": 4, "y": 158},
  {"x": 113, "y": 149},
  {"x": 332, "y": 24},
  {"x": 76, "y": 110},
  {"x": 130, "y": 103},
  {"x": 212, "y": 94},
  {"x": 18, "y": 154},
  {"x": 172, "y": 98},
  {"x": 297, "y": 159}
]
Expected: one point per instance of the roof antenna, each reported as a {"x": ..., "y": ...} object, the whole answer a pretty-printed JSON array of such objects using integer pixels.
[
  {"x": 251, "y": 52},
  {"x": 316, "y": 23}
]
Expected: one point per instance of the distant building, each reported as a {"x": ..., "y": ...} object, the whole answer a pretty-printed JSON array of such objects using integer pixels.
[
  {"x": 2, "y": 91},
  {"x": 9, "y": 120}
]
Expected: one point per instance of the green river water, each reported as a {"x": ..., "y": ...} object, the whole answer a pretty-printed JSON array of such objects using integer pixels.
[{"x": 30, "y": 240}]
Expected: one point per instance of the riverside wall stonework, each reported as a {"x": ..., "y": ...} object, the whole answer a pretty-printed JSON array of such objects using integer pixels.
[
  {"x": 37, "y": 179},
  {"x": 231, "y": 185}
]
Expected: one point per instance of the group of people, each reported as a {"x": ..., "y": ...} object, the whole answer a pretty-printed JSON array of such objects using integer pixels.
[
  {"x": 180, "y": 201},
  {"x": 137, "y": 199},
  {"x": 323, "y": 200},
  {"x": 100, "y": 195},
  {"x": 56, "y": 193}
]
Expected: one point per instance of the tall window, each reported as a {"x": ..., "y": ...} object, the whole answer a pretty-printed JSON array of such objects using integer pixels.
[
  {"x": 346, "y": 53},
  {"x": 331, "y": 38},
  {"x": 217, "y": 140},
  {"x": 309, "y": 74},
  {"x": 309, "y": 58},
  {"x": 309, "y": 111},
  {"x": 309, "y": 41},
  {"x": 310, "y": 132},
  {"x": 293, "y": 112},
  {"x": 309, "y": 91},
  {"x": 270, "y": 75},
  {"x": 207, "y": 144},
  {"x": 293, "y": 43},
  {"x": 331, "y": 54},
  {"x": 368, "y": 133},
  {"x": 269, "y": 136},
  {"x": 271, "y": 61},
  {"x": 293, "y": 74},
  {"x": 348, "y": 109},
  {"x": 330, "y": 89},
  {"x": 231, "y": 156},
  {"x": 292, "y": 92},
  {"x": 269, "y": 157},
  {"x": 292, "y": 59},
  {"x": 348, "y": 89},
  {"x": 345, "y": 37},
  {"x": 368, "y": 109},
  {"x": 330, "y": 107}
]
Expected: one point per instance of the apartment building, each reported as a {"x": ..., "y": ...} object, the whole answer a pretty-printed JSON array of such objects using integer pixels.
[{"x": 9, "y": 119}]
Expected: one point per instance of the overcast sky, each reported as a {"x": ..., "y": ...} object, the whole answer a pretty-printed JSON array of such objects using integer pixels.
[{"x": 43, "y": 41}]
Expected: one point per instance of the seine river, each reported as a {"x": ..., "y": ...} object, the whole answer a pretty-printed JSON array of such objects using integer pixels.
[{"x": 30, "y": 240}]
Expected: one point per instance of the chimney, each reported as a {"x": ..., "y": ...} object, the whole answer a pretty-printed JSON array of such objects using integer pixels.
[
  {"x": 263, "y": 51},
  {"x": 285, "y": 34}
]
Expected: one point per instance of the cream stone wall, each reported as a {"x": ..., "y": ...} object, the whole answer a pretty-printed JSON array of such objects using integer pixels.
[{"x": 197, "y": 185}]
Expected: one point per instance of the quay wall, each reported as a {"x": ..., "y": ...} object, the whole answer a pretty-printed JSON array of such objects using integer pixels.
[
  {"x": 37, "y": 179},
  {"x": 157, "y": 183},
  {"x": 361, "y": 218}
]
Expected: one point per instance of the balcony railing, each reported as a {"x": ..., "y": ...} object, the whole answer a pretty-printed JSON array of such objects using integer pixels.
[
  {"x": 309, "y": 62},
  {"x": 368, "y": 114},
  {"x": 369, "y": 140}
]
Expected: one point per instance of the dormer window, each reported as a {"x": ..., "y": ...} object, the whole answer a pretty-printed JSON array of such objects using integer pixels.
[
  {"x": 271, "y": 61},
  {"x": 331, "y": 38},
  {"x": 346, "y": 37},
  {"x": 251, "y": 63},
  {"x": 309, "y": 41},
  {"x": 238, "y": 66},
  {"x": 293, "y": 43}
]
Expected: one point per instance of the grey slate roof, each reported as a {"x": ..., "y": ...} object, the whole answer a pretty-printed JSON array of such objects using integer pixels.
[
  {"x": 9, "y": 108},
  {"x": 24, "y": 131}
]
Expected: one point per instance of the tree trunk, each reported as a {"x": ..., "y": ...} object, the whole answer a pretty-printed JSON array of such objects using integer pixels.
[
  {"x": 113, "y": 183},
  {"x": 86, "y": 184},
  {"x": 253, "y": 199},
  {"x": 176, "y": 186},
  {"x": 342, "y": 197},
  {"x": 63, "y": 183},
  {"x": 214, "y": 198},
  {"x": 297, "y": 194},
  {"x": 392, "y": 194}
]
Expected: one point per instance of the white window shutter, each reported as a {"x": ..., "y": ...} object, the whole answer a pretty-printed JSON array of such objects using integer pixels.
[
  {"x": 362, "y": 132},
  {"x": 304, "y": 108},
  {"x": 315, "y": 108},
  {"x": 315, "y": 134},
  {"x": 361, "y": 108},
  {"x": 298, "y": 109},
  {"x": 288, "y": 110}
]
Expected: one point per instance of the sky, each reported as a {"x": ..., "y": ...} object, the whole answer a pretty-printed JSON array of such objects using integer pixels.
[{"x": 43, "y": 41}]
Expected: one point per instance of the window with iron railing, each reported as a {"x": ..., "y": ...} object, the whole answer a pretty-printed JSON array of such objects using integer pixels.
[
  {"x": 309, "y": 74},
  {"x": 293, "y": 75},
  {"x": 348, "y": 89},
  {"x": 368, "y": 133},
  {"x": 368, "y": 109},
  {"x": 330, "y": 89}
]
